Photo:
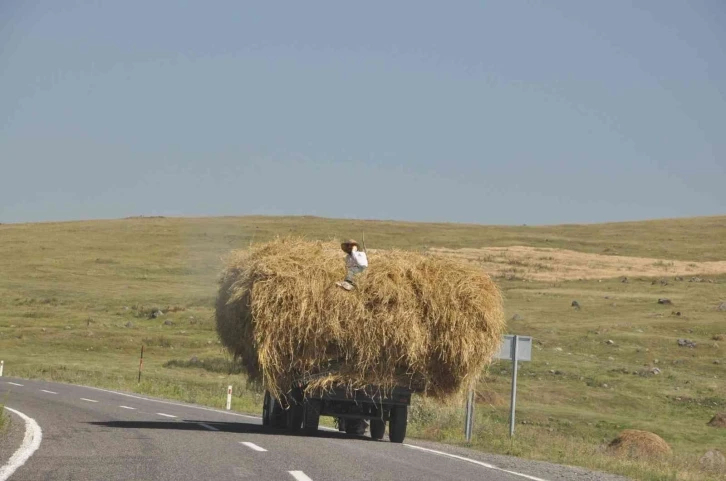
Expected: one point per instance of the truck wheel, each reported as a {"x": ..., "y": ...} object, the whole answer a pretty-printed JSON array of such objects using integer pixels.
[
  {"x": 267, "y": 409},
  {"x": 351, "y": 426},
  {"x": 295, "y": 412},
  {"x": 294, "y": 418},
  {"x": 272, "y": 413},
  {"x": 397, "y": 424},
  {"x": 355, "y": 426},
  {"x": 378, "y": 428},
  {"x": 277, "y": 416},
  {"x": 311, "y": 416}
]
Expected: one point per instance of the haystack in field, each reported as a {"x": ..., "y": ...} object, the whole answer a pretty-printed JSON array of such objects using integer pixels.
[
  {"x": 633, "y": 443},
  {"x": 429, "y": 323},
  {"x": 718, "y": 421}
]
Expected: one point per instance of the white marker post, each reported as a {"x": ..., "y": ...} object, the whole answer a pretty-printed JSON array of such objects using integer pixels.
[
  {"x": 515, "y": 349},
  {"x": 229, "y": 398},
  {"x": 2, "y": 366}
]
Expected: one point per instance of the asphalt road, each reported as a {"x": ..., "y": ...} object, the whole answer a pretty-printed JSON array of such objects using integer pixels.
[{"x": 92, "y": 434}]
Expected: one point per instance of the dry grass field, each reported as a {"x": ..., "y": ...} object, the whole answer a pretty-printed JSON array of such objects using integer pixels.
[{"x": 76, "y": 304}]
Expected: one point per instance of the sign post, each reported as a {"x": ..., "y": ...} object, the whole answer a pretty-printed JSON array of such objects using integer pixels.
[
  {"x": 515, "y": 348},
  {"x": 514, "y": 386},
  {"x": 469, "y": 422}
]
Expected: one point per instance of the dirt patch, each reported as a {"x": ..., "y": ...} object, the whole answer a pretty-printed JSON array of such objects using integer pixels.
[
  {"x": 547, "y": 264},
  {"x": 490, "y": 398},
  {"x": 718, "y": 421},
  {"x": 634, "y": 443}
]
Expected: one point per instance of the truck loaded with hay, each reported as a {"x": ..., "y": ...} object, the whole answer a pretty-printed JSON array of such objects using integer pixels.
[{"x": 415, "y": 323}]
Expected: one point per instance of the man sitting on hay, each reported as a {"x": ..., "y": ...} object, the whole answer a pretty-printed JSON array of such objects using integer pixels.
[{"x": 355, "y": 262}]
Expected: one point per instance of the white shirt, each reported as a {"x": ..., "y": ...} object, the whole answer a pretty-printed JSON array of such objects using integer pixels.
[{"x": 356, "y": 259}]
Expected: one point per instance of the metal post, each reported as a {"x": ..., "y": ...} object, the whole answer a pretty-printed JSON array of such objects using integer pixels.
[
  {"x": 229, "y": 398},
  {"x": 2, "y": 366},
  {"x": 514, "y": 385},
  {"x": 141, "y": 362},
  {"x": 469, "y": 421}
]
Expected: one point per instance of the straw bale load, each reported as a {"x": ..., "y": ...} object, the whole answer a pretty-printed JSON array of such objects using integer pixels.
[{"x": 426, "y": 322}]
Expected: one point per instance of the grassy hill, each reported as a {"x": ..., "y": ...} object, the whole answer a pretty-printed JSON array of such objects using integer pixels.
[{"x": 76, "y": 298}]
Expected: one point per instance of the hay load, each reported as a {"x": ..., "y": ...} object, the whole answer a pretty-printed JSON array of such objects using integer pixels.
[{"x": 425, "y": 322}]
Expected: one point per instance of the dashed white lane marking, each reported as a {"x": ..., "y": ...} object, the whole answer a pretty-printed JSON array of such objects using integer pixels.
[
  {"x": 166, "y": 415},
  {"x": 300, "y": 476},
  {"x": 188, "y": 406},
  {"x": 31, "y": 442},
  {"x": 89, "y": 400},
  {"x": 49, "y": 392},
  {"x": 211, "y": 428},
  {"x": 253, "y": 446},
  {"x": 480, "y": 463},
  {"x": 127, "y": 407},
  {"x": 219, "y": 411},
  {"x": 16, "y": 384}
]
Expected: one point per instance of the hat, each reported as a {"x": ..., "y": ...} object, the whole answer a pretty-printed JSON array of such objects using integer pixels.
[{"x": 348, "y": 243}]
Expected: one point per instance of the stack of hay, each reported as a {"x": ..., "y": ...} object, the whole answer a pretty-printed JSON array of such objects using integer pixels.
[
  {"x": 634, "y": 443},
  {"x": 428, "y": 323}
]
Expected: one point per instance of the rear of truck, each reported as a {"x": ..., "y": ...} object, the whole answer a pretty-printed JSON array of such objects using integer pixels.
[{"x": 350, "y": 408}]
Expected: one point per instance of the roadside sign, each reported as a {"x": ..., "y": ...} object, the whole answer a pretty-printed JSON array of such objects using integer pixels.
[
  {"x": 513, "y": 348},
  {"x": 524, "y": 348}
]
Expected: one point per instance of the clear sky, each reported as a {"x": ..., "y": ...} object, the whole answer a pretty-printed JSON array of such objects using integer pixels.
[{"x": 496, "y": 112}]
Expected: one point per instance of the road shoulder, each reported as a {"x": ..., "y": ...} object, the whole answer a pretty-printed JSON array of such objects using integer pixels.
[
  {"x": 541, "y": 469},
  {"x": 11, "y": 436}
]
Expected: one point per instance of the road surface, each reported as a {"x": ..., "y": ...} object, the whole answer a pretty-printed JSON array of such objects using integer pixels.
[{"x": 94, "y": 434}]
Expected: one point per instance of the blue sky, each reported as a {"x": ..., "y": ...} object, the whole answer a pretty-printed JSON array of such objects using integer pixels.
[{"x": 501, "y": 112}]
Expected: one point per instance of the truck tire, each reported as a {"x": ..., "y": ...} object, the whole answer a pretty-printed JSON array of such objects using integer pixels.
[
  {"x": 272, "y": 413},
  {"x": 351, "y": 426},
  {"x": 311, "y": 416},
  {"x": 378, "y": 428},
  {"x": 278, "y": 416},
  {"x": 267, "y": 405},
  {"x": 294, "y": 418},
  {"x": 295, "y": 412},
  {"x": 355, "y": 426},
  {"x": 397, "y": 424}
]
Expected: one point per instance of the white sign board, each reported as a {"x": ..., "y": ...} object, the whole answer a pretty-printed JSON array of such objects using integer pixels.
[{"x": 524, "y": 348}]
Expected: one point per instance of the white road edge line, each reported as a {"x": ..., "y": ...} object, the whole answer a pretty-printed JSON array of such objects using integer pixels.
[
  {"x": 166, "y": 415},
  {"x": 211, "y": 428},
  {"x": 49, "y": 392},
  {"x": 127, "y": 407},
  {"x": 31, "y": 442},
  {"x": 89, "y": 400},
  {"x": 480, "y": 463},
  {"x": 300, "y": 476},
  {"x": 253, "y": 446},
  {"x": 16, "y": 384}
]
